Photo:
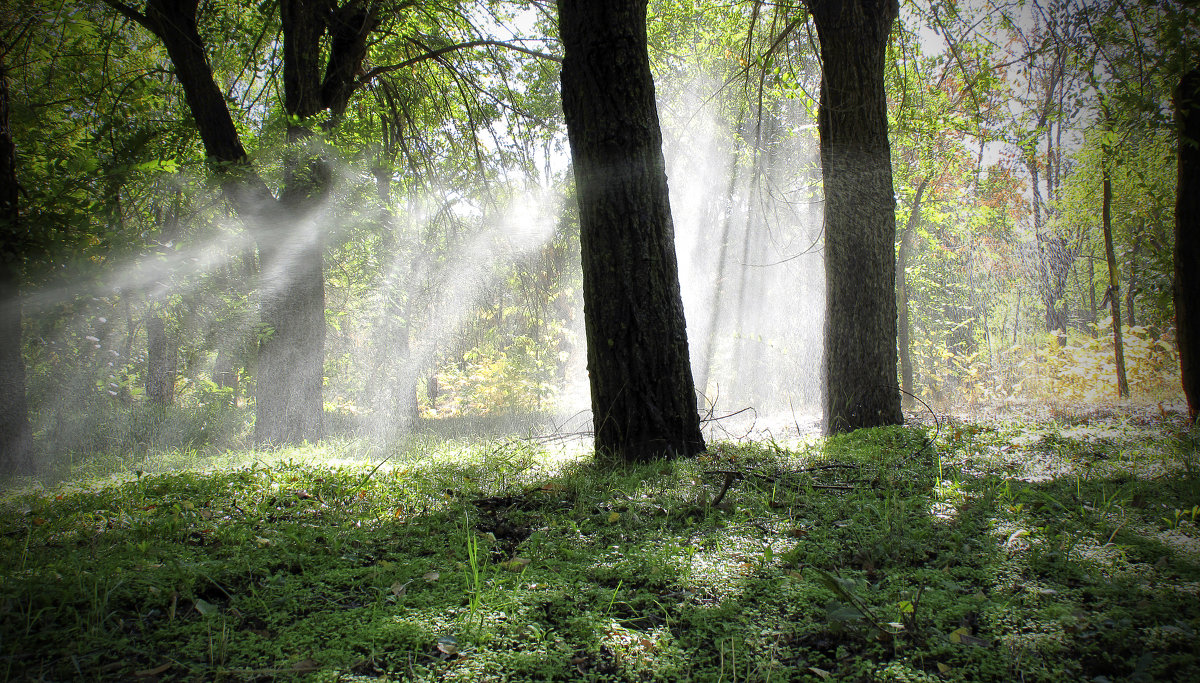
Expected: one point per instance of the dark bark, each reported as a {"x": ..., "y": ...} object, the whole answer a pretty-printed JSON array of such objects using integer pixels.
[
  {"x": 1187, "y": 238},
  {"x": 1132, "y": 285},
  {"x": 1092, "y": 293},
  {"x": 643, "y": 397},
  {"x": 16, "y": 440},
  {"x": 160, "y": 363},
  {"x": 860, "y": 223},
  {"x": 903, "y": 342},
  {"x": 289, "y": 404},
  {"x": 1113, "y": 287},
  {"x": 174, "y": 22},
  {"x": 1055, "y": 257}
]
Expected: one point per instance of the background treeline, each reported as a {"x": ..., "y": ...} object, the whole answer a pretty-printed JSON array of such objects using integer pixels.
[{"x": 448, "y": 230}]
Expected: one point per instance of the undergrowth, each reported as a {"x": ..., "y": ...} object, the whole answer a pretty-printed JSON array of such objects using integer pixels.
[{"x": 980, "y": 552}]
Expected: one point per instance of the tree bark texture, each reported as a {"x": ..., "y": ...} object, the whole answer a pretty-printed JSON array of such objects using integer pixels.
[
  {"x": 16, "y": 439},
  {"x": 643, "y": 396},
  {"x": 860, "y": 223},
  {"x": 1187, "y": 238},
  {"x": 289, "y": 404},
  {"x": 1114, "y": 286},
  {"x": 160, "y": 363},
  {"x": 174, "y": 22}
]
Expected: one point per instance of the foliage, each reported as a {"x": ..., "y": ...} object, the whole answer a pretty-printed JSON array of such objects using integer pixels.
[{"x": 509, "y": 381}]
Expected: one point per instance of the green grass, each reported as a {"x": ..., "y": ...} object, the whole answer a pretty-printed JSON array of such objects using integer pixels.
[{"x": 985, "y": 552}]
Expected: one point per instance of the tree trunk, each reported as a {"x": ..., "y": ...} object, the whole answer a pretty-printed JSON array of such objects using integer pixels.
[
  {"x": 903, "y": 342},
  {"x": 1113, "y": 286},
  {"x": 225, "y": 373},
  {"x": 16, "y": 439},
  {"x": 1187, "y": 238},
  {"x": 292, "y": 336},
  {"x": 160, "y": 363},
  {"x": 643, "y": 397},
  {"x": 1092, "y": 292},
  {"x": 174, "y": 22},
  {"x": 860, "y": 221},
  {"x": 289, "y": 405},
  {"x": 1132, "y": 284}
]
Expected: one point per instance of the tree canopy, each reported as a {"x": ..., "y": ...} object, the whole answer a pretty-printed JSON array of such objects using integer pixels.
[{"x": 277, "y": 221}]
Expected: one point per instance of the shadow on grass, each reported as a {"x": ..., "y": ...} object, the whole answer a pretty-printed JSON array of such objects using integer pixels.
[{"x": 870, "y": 556}]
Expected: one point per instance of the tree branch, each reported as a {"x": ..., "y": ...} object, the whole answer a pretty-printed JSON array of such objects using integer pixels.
[
  {"x": 130, "y": 14},
  {"x": 434, "y": 54}
]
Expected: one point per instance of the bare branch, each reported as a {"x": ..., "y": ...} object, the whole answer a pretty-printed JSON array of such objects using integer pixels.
[{"x": 434, "y": 54}]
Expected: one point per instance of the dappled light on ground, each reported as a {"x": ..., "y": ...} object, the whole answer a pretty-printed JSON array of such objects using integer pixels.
[{"x": 976, "y": 552}]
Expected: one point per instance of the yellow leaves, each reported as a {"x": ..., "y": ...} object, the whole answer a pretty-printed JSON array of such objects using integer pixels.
[{"x": 613, "y": 517}]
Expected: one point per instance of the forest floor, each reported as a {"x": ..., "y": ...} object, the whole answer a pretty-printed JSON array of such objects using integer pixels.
[{"x": 1004, "y": 550}]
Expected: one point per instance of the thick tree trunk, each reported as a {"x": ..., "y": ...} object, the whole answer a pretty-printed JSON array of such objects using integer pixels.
[
  {"x": 160, "y": 363},
  {"x": 903, "y": 327},
  {"x": 643, "y": 397},
  {"x": 860, "y": 221},
  {"x": 288, "y": 388},
  {"x": 1113, "y": 287},
  {"x": 16, "y": 440},
  {"x": 1187, "y": 238},
  {"x": 174, "y": 22},
  {"x": 289, "y": 400}
]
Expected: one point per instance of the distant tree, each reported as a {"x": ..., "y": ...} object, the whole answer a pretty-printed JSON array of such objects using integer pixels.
[
  {"x": 860, "y": 221},
  {"x": 15, "y": 435},
  {"x": 1187, "y": 238},
  {"x": 160, "y": 363},
  {"x": 289, "y": 405},
  {"x": 643, "y": 396}
]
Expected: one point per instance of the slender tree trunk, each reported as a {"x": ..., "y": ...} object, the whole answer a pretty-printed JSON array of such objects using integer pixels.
[
  {"x": 1113, "y": 287},
  {"x": 1017, "y": 317},
  {"x": 1132, "y": 285},
  {"x": 860, "y": 221},
  {"x": 225, "y": 372},
  {"x": 643, "y": 397},
  {"x": 1092, "y": 292},
  {"x": 903, "y": 327},
  {"x": 16, "y": 439},
  {"x": 1187, "y": 238},
  {"x": 160, "y": 363}
]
